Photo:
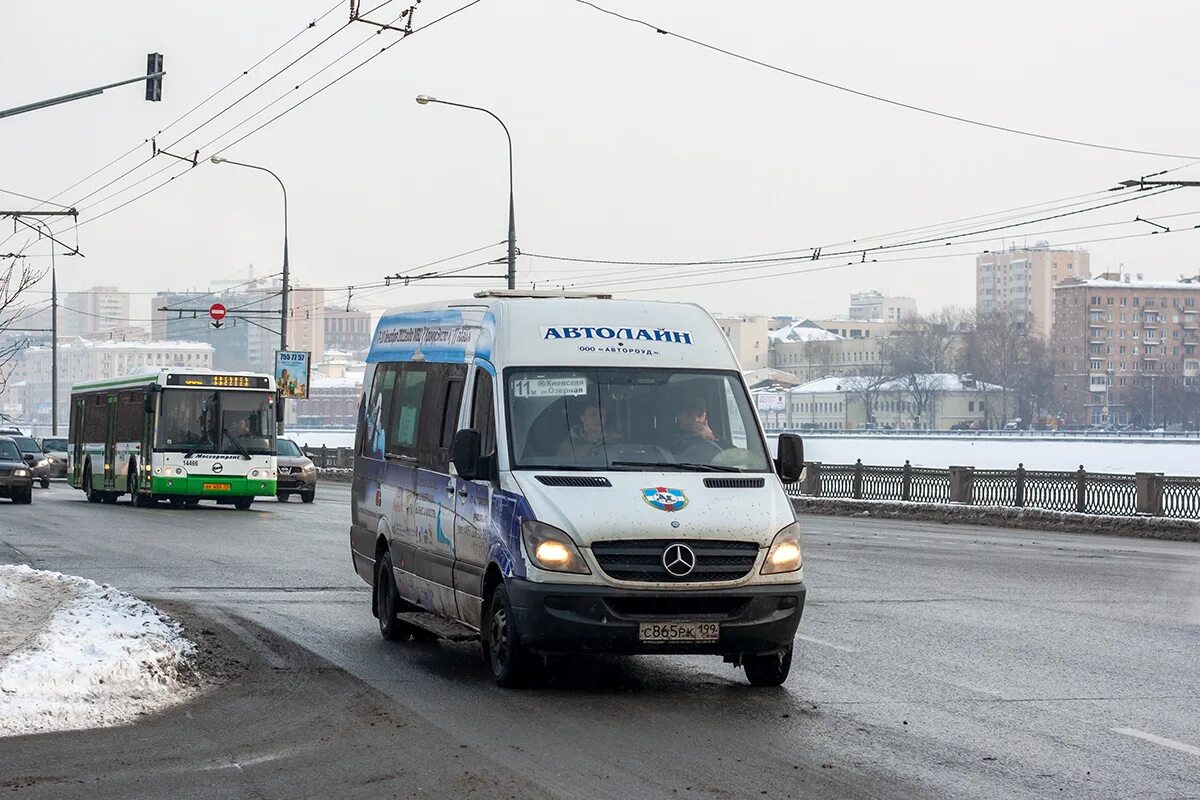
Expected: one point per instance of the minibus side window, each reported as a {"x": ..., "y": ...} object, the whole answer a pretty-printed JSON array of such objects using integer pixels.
[
  {"x": 483, "y": 413},
  {"x": 404, "y": 415},
  {"x": 439, "y": 419},
  {"x": 378, "y": 407}
]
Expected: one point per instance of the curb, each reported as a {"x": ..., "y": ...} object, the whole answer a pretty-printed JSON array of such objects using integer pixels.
[{"x": 1175, "y": 530}]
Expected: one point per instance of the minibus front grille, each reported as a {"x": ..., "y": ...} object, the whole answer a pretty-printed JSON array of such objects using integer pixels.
[
  {"x": 690, "y": 607},
  {"x": 735, "y": 483},
  {"x": 576, "y": 481},
  {"x": 642, "y": 560}
]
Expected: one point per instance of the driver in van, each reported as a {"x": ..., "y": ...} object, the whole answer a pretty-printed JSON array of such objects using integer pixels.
[{"x": 695, "y": 439}]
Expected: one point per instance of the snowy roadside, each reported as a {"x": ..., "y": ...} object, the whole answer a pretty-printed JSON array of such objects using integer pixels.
[{"x": 75, "y": 654}]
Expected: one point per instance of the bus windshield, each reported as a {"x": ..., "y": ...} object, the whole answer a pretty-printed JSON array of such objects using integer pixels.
[
  {"x": 632, "y": 419},
  {"x": 216, "y": 421}
]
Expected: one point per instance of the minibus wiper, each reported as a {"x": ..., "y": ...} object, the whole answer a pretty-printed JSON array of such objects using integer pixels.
[
  {"x": 676, "y": 465},
  {"x": 245, "y": 453}
]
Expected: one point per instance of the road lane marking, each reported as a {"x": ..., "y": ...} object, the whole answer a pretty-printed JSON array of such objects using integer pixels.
[
  {"x": 826, "y": 644},
  {"x": 1150, "y": 737}
]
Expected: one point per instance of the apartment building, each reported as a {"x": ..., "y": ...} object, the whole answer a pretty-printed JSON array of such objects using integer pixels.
[
  {"x": 873, "y": 304},
  {"x": 93, "y": 313},
  {"x": 1117, "y": 341},
  {"x": 348, "y": 331},
  {"x": 1021, "y": 281},
  {"x": 748, "y": 335},
  {"x": 89, "y": 360}
]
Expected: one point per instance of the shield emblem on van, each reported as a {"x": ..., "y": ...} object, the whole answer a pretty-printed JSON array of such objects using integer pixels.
[{"x": 665, "y": 499}]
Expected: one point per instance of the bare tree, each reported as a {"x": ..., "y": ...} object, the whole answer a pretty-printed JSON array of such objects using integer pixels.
[
  {"x": 923, "y": 350},
  {"x": 867, "y": 384},
  {"x": 1016, "y": 364},
  {"x": 14, "y": 282}
]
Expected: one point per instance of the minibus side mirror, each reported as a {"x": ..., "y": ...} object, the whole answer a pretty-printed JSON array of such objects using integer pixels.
[
  {"x": 464, "y": 453},
  {"x": 790, "y": 462}
]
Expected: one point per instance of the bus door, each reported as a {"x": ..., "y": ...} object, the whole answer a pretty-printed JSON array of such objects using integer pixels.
[
  {"x": 473, "y": 502},
  {"x": 110, "y": 444},
  {"x": 77, "y": 440}
]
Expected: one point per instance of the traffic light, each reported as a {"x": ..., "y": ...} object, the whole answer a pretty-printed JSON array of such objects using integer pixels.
[{"x": 154, "y": 68}]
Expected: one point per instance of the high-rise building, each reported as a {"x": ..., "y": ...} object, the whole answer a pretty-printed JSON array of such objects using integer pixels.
[
  {"x": 748, "y": 337},
  {"x": 90, "y": 360},
  {"x": 93, "y": 313},
  {"x": 348, "y": 331},
  {"x": 875, "y": 305},
  {"x": 1119, "y": 341},
  {"x": 1020, "y": 281}
]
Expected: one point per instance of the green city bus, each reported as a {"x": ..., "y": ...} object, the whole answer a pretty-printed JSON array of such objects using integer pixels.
[{"x": 180, "y": 435}]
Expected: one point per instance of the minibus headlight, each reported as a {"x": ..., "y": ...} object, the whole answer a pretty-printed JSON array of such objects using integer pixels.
[
  {"x": 552, "y": 549},
  {"x": 784, "y": 555}
]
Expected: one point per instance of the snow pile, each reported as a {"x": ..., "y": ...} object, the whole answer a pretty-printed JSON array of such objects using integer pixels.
[{"x": 77, "y": 654}]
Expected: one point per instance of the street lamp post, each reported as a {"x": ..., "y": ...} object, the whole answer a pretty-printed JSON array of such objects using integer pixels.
[
  {"x": 285, "y": 293},
  {"x": 424, "y": 99}
]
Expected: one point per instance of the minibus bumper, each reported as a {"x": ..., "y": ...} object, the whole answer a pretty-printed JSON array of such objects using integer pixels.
[{"x": 568, "y": 618}]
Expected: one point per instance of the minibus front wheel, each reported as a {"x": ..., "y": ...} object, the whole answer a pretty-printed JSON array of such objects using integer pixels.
[
  {"x": 511, "y": 662},
  {"x": 768, "y": 670}
]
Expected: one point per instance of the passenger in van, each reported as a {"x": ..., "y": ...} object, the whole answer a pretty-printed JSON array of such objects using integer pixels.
[
  {"x": 587, "y": 437},
  {"x": 695, "y": 440}
]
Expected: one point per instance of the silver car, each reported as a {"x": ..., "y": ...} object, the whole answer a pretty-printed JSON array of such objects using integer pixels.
[
  {"x": 34, "y": 458},
  {"x": 55, "y": 448},
  {"x": 297, "y": 473}
]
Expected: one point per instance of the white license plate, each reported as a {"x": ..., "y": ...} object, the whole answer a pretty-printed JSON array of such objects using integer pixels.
[{"x": 678, "y": 631}]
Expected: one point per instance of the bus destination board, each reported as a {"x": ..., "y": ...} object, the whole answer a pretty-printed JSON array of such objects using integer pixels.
[{"x": 220, "y": 381}]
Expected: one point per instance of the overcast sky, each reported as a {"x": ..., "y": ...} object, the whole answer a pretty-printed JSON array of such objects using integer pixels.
[{"x": 629, "y": 145}]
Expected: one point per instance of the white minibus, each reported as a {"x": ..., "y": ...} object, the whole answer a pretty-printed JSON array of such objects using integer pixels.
[{"x": 569, "y": 474}]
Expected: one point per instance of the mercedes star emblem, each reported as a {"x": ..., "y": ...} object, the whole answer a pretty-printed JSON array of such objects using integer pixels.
[{"x": 679, "y": 560}]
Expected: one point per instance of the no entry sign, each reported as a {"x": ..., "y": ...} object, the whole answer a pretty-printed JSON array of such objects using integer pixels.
[{"x": 217, "y": 311}]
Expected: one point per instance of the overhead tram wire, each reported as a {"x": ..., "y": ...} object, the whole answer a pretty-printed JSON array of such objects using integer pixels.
[
  {"x": 196, "y": 107},
  {"x": 752, "y": 264},
  {"x": 879, "y": 98},
  {"x": 803, "y": 254},
  {"x": 847, "y": 265},
  {"x": 935, "y": 244},
  {"x": 286, "y": 111}
]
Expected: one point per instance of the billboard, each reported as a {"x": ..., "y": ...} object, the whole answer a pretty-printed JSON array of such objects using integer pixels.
[
  {"x": 771, "y": 401},
  {"x": 291, "y": 374}
]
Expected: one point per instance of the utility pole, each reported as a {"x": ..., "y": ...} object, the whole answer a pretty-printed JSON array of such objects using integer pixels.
[{"x": 153, "y": 78}]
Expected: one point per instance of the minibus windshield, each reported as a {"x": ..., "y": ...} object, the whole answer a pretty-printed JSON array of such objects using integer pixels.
[
  {"x": 632, "y": 419},
  {"x": 216, "y": 421}
]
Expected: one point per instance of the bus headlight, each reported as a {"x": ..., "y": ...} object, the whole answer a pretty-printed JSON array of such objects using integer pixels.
[
  {"x": 552, "y": 549},
  {"x": 784, "y": 555}
]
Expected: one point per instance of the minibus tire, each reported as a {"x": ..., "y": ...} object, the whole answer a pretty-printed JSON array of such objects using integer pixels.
[
  {"x": 511, "y": 663},
  {"x": 387, "y": 602},
  {"x": 768, "y": 670}
]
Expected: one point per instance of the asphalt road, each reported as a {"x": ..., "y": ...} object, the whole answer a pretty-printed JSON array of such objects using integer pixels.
[{"x": 933, "y": 661}]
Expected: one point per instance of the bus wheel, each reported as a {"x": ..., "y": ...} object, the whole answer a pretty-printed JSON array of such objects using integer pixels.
[
  {"x": 769, "y": 670},
  {"x": 177, "y": 502},
  {"x": 387, "y": 602},
  {"x": 512, "y": 664},
  {"x": 109, "y": 497},
  {"x": 136, "y": 498},
  {"x": 89, "y": 491},
  {"x": 191, "y": 501},
  {"x": 243, "y": 503}
]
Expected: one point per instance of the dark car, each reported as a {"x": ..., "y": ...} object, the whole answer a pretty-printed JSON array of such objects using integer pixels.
[
  {"x": 55, "y": 448},
  {"x": 16, "y": 478},
  {"x": 297, "y": 473},
  {"x": 34, "y": 458}
]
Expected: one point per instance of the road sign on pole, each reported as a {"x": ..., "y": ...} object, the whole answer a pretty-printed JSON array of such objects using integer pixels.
[{"x": 217, "y": 312}]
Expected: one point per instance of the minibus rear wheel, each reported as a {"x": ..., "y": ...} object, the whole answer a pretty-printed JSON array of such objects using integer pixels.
[
  {"x": 511, "y": 662},
  {"x": 387, "y": 602},
  {"x": 768, "y": 670}
]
